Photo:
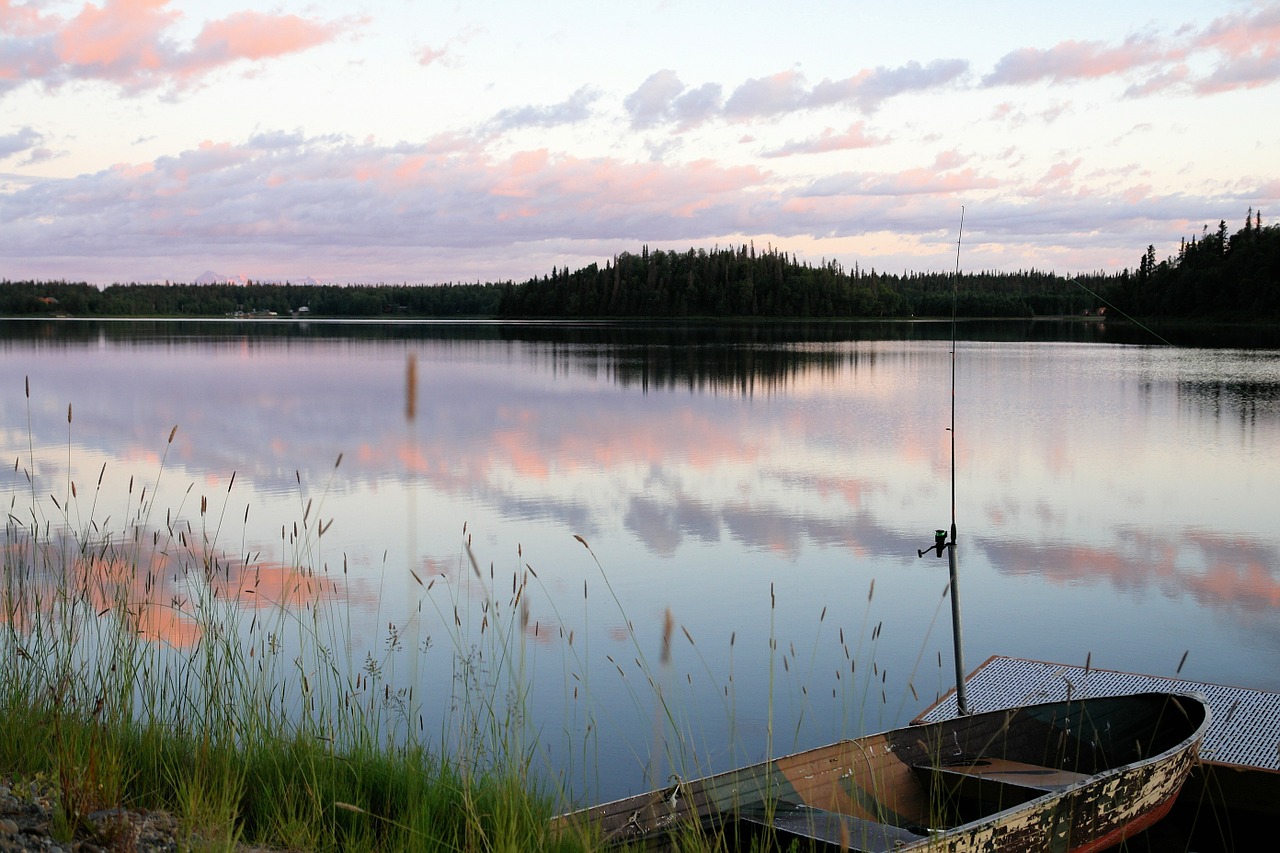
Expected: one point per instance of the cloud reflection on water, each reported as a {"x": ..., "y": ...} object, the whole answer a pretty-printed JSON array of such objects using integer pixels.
[{"x": 776, "y": 447}]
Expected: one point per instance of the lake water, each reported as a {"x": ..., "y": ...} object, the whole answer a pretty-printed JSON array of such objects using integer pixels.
[{"x": 751, "y": 499}]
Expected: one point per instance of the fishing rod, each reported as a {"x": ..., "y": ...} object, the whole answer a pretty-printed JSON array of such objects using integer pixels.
[{"x": 940, "y": 542}]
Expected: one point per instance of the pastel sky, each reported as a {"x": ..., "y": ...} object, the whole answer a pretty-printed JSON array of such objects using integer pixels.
[{"x": 404, "y": 140}]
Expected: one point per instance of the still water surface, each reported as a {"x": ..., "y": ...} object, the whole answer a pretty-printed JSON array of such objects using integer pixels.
[{"x": 767, "y": 487}]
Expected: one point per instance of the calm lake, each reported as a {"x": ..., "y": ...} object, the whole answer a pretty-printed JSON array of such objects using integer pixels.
[{"x": 751, "y": 500}]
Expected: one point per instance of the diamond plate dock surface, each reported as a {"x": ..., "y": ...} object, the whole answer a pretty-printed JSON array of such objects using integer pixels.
[{"x": 1244, "y": 731}]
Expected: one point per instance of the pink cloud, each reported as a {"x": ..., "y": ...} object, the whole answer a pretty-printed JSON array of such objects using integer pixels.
[
  {"x": 868, "y": 88},
  {"x": 947, "y": 160},
  {"x": 1173, "y": 78},
  {"x": 253, "y": 36},
  {"x": 130, "y": 43},
  {"x": 1247, "y": 45},
  {"x": 855, "y": 136},
  {"x": 1243, "y": 35},
  {"x": 786, "y": 92},
  {"x": 935, "y": 179},
  {"x": 118, "y": 39},
  {"x": 1072, "y": 60},
  {"x": 929, "y": 181},
  {"x": 22, "y": 20},
  {"x": 429, "y": 56},
  {"x": 777, "y": 93}
]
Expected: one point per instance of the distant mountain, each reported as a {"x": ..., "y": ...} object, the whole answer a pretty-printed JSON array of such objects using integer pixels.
[{"x": 211, "y": 277}]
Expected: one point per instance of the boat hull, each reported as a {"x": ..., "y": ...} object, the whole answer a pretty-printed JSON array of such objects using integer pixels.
[{"x": 1067, "y": 777}]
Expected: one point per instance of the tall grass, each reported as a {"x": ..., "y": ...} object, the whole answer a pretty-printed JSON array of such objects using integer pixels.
[{"x": 146, "y": 667}]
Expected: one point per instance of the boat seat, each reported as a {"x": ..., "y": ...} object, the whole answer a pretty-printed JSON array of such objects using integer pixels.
[
  {"x": 1008, "y": 772},
  {"x": 830, "y": 827}
]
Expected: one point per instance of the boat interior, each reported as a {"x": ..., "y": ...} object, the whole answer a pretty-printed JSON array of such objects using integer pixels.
[{"x": 886, "y": 791}]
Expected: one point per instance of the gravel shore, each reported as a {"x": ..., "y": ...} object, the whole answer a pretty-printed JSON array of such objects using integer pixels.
[{"x": 26, "y": 824}]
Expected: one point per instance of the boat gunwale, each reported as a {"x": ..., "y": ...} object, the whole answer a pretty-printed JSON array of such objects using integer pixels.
[{"x": 700, "y": 814}]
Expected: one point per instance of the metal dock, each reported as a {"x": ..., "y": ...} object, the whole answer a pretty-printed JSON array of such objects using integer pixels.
[{"x": 1241, "y": 751}]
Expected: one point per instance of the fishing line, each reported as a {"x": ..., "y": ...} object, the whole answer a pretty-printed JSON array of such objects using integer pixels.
[{"x": 1119, "y": 311}]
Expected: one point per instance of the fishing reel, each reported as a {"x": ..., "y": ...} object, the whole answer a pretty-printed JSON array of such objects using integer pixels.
[{"x": 939, "y": 545}]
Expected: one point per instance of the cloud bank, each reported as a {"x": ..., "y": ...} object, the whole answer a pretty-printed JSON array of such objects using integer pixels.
[{"x": 868, "y": 162}]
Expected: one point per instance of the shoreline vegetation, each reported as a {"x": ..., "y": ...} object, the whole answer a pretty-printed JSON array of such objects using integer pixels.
[
  {"x": 1216, "y": 276},
  {"x": 257, "y": 734}
]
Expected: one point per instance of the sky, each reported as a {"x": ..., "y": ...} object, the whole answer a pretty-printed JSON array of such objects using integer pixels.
[{"x": 432, "y": 142}]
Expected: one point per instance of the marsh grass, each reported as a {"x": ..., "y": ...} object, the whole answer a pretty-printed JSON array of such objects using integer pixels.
[{"x": 147, "y": 668}]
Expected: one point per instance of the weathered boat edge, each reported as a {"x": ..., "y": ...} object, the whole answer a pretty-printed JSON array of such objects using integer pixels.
[
  {"x": 1160, "y": 776},
  {"x": 1158, "y": 779}
]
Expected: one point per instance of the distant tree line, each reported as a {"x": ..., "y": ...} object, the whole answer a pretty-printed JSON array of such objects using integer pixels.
[
  {"x": 218, "y": 300},
  {"x": 741, "y": 282},
  {"x": 1217, "y": 276}
]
